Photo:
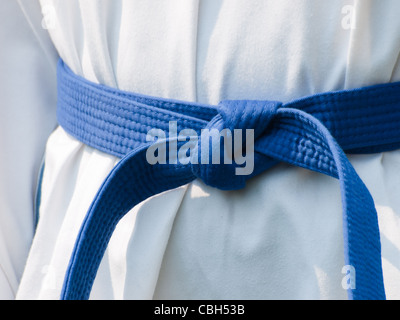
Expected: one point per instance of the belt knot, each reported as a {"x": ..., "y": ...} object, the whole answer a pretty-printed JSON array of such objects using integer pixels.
[{"x": 224, "y": 156}]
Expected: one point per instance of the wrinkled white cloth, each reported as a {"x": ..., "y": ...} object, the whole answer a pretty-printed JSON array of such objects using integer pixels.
[
  {"x": 27, "y": 117},
  {"x": 281, "y": 236}
]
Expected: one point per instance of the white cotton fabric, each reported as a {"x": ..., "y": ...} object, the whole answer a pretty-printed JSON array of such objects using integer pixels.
[
  {"x": 281, "y": 236},
  {"x": 27, "y": 117}
]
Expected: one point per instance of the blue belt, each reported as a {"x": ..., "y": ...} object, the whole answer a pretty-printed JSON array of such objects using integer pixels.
[{"x": 313, "y": 132}]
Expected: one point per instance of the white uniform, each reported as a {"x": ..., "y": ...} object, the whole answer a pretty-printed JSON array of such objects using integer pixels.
[
  {"x": 27, "y": 117},
  {"x": 281, "y": 237}
]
